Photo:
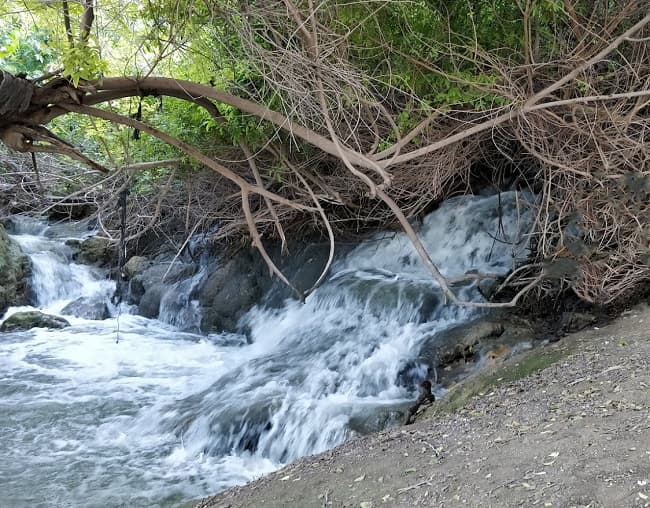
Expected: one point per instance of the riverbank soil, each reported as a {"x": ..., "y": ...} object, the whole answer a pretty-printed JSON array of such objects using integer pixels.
[{"x": 567, "y": 424}]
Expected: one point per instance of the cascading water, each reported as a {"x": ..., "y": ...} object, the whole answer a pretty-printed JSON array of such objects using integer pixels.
[
  {"x": 176, "y": 306},
  {"x": 162, "y": 417},
  {"x": 57, "y": 280}
]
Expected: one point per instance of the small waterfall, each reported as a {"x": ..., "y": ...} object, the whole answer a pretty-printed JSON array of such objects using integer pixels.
[
  {"x": 177, "y": 307},
  {"x": 57, "y": 279},
  {"x": 162, "y": 416},
  {"x": 318, "y": 372}
]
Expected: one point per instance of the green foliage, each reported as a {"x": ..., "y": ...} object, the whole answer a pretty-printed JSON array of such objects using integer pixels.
[
  {"x": 277, "y": 172},
  {"x": 429, "y": 50},
  {"x": 24, "y": 52},
  {"x": 83, "y": 62}
]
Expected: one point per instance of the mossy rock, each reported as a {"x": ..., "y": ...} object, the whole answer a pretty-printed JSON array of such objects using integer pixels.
[
  {"x": 96, "y": 251},
  {"x": 32, "y": 319},
  {"x": 511, "y": 370},
  {"x": 15, "y": 273}
]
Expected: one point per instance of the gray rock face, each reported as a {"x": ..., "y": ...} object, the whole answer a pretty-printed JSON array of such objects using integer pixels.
[
  {"x": 302, "y": 267},
  {"x": 152, "y": 276},
  {"x": 149, "y": 305},
  {"x": 96, "y": 251},
  {"x": 32, "y": 319},
  {"x": 487, "y": 287},
  {"x": 15, "y": 273},
  {"x": 135, "y": 266},
  {"x": 87, "y": 308},
  {"x": 149, "y": 282},
  {"x": 231, "y": 286},
  {"x": 228, "y": 292}
]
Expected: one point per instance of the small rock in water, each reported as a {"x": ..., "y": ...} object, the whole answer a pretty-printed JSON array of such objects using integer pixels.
[
  {"x": 87, "y": 308},
  {"x": 95, "y": 250},
  {"x": 32, "y": 319}
]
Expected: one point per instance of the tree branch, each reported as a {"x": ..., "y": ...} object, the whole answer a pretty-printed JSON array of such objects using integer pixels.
[
  {"x": 66, "y": 23},
  {"x": 529, "y": 105},
  {"x": 87, "y": 19},
  {"x": 184, "y": 147}
]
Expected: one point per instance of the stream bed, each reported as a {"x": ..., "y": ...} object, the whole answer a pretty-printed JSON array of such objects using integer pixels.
[{"x": 130, "y": 411}]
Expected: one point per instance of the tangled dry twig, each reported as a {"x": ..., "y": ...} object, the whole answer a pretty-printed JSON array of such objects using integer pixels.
[{"x": 576, "y": 125}]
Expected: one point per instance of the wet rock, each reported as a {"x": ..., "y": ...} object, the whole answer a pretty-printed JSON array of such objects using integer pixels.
[
  {"x": 87, "y": 308},
  {"x": 135, "y": 266},
  {"x": 228, "y": 339},
  {"x": 303, "y": 266},
  {"x": 458, "y": 342},
  {"x": 73, "y": 243},
  {"x": 576, "y": 321},
  {"x": 229, "y": 292},
  {"x": 497, "y": 355},
  {"x": 377, "y": 419},
  {"x": 15, "y": 273},
  {"x": 149, "y": 305},
  {"x": 487, "y": 287},
  {"x": 153, "y": 278},
  {"x": 96, "y": 251},
  {"x": 234, "y": 285},
  {"x": 32, "y": 319},
  {"x": 165, "y": 273}
]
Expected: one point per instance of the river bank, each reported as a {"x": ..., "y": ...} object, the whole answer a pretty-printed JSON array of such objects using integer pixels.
[
  {"x": 169, "y": 415},
  {"x": 163, "y": 407},
  {"x": 564, "y": 425}
]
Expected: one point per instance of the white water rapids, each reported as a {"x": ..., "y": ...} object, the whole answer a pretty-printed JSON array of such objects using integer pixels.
[{"x": 162, "y": 417}]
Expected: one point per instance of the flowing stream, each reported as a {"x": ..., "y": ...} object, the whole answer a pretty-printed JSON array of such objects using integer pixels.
[{"x": 130, "y": 411}]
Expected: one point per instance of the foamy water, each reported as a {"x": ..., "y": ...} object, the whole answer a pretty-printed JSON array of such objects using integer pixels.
[{"x": 160, "y": 417}]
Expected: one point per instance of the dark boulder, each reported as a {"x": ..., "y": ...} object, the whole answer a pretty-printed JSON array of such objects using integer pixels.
[
  {"x": 32, "y": 319},
  {"x": 229, "y": 292},
  {"x": 487, "y": 287},
  {"x": 148, "y": 277},
  {"x": 302, "y": 266},
  {"x": 87, "y": 308},
  {"x": 149, "y": 305},
  {"x": 457, "y": 342},
  {"x": 135, "y": 266}
]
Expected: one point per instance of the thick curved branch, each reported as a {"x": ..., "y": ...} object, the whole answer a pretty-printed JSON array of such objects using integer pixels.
[
  {"x": 184, "y": 147},
  {"x": 193, "y": 91},
  {"x": 22, "y": 138},
  {"x": 117, "y": 88}
]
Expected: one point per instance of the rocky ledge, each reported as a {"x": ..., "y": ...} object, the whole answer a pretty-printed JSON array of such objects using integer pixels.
[{"x": 32, "y": 319}]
